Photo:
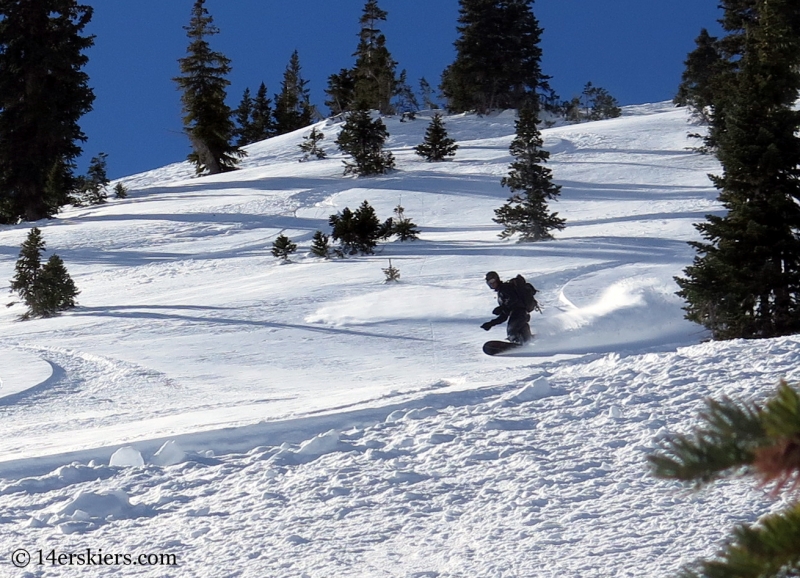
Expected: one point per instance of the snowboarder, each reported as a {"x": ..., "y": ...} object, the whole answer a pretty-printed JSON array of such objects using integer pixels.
[{"x": 511, "y": 307}]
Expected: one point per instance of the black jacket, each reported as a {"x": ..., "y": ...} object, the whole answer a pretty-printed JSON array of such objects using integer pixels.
[{"x": 508, "y": 300}]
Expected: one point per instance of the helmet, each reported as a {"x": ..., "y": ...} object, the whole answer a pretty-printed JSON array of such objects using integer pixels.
[{"x": 492, "y": 275}]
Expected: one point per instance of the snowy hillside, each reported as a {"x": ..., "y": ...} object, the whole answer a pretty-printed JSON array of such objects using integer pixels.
[{"x": 250, "y": 418}]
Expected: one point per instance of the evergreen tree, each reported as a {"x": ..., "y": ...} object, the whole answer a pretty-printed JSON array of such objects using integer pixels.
[
  {"x": 426, "y": 92},
  {"x": 406, "y": 101},
  {"x": 373, "y": 74},
  {"x": 437, "y": 145},
  {"x": 57, "y": 290},
  {"x": 526, "y": 213},
  {"x": 29, "y": 265},
  {"x": 203, "y": 82},
  {"x": 120, "y": 191},
  {"x": 262, "y": 124},
  {"x": 310, "y": 145},
  {"x": 282, "y": 247},
  {"x": 704, "y": 67},
  {"x": 392, "y": 273},
  {"x": 403, "y": 227},
  {"x": 47, "y": 289},
  {"x": 293, "y": 108},
  {"x": 320, "y": 246},
  {"x": 243, "y": 132},
  {"x": 599, "y": 103},
  {"x": 93, "y": 186},
  {"x": 359, "y": 231},
  {"x": 745, "y": 280},
  {"x": 43, "y": 94},
  {"x": 363, "y": 138},
  {"x": 764, "y": 443},
  {"x": 498, "y": 57},
  {"x": 341, "y": 92}
]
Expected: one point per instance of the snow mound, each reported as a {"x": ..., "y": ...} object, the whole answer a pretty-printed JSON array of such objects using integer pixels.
[
  {"x": 126, "y": 457},
  {"x": 169, "y": 454}
]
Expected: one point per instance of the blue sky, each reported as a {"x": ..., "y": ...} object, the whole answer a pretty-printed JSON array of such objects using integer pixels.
[{"x": 633, "y": 48}]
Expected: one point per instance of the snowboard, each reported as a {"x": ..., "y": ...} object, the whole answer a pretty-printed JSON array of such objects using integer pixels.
[{"x": 496, "y": 347}]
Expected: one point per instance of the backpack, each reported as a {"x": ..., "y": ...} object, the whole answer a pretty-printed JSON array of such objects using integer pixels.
[{"x": 526, "y": 293}]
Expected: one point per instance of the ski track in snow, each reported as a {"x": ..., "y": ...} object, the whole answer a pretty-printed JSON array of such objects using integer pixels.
[{"x": 256, "y": 419}]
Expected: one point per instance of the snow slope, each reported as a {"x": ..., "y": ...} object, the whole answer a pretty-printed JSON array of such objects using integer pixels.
[{"x": 258, "y": 418}]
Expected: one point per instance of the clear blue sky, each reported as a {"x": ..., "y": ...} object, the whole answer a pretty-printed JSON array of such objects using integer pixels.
[{"x": 633, "y": 48}]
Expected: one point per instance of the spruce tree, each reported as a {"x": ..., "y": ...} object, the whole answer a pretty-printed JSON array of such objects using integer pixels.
[
  {"x": 340, "y": 91},
  {"x": 699, "y": 80},
  {"x": 735, "y": 439},
  {"x": 599, "y": 103},
  {"x": 406, "y": 101},
  {"x": 293, "y": 108},
  {"x": 310, "y": 145},
  {"x": 262, "y": 124},
  {"x": 282, "y": 247},
  {"x": 363, "y": 138},
  {"x": 43, "y": 94},
  {"x": 93, "y": 185},
  {"x": 359, "y": 231},
  {"x": 320, "y": 246},
  {"x": 29, "y": 265},
  {"x": 437, "y": 145},
  {"x": 207, "y": 119},
  {"x": 243, "y": 132},
  {"x": 56, "y": 289},
  {"x": 403, "y": 227},
  {"x": 47, "y": 289},
  {"x": 745, "y": 280},
  {"x": 526, "y": 213},
  {"x": 374, "y": 71},
  {"x": 426, "y": 92},
  {"x": 498, "y": 57}
]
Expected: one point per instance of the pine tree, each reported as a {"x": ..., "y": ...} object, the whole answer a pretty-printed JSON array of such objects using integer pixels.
[
  {"x": 526, "y": 213},
  {"x": 403, "y": 227},
  {"x": 320, "y": 246},
  {"x": 699, "y": 81},
  {"x": 426, "y": 92},
  {"x": 359, "y": 231},
  {"x": 498, "y": 57},
  {"x": 29, "y": 265},
  {"x": 293, "y": 108},
  {"x": 203, "y": 82},
  {"x": 120, "y": 191},
  {"x": 764, "y": 443},
  {"x": 43, "y": 94},
  {"x": 437, "y": 145},
  {"x": 282, "y": 247},
  {"x": 363, "y": 138},
  {"x": 310, "y": 145},
  {"x": 47, "y": 289},
  {"x": 262, "y": 124},
  {"x": 243, "y": 115},
  {"x": 93, "y": 186},
  {"x": 599, "y": 103},
  {"x": 56, "y": 289},
  {"x": 406, "y": 101},
  {"x": 374, "y": 71},
  {"x": 392, "y": 273},
  {"x": 745, "y": 280},
  {"x": 341, "y": 92}
]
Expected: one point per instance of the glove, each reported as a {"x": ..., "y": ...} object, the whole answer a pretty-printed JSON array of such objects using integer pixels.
[
  {"x": 487, "y": 326},
  {"x": 497, "y": 310}
]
